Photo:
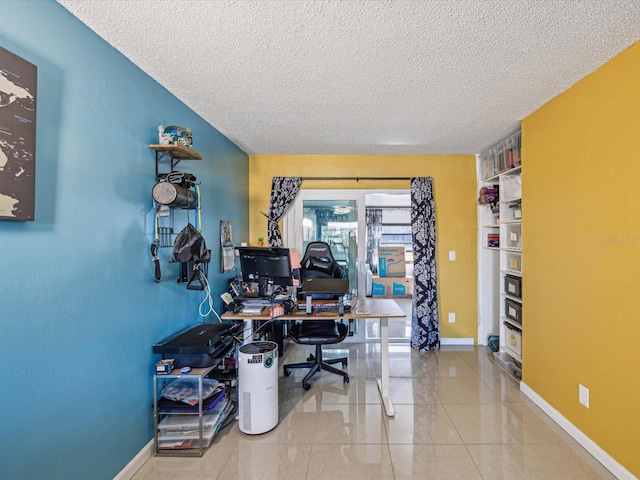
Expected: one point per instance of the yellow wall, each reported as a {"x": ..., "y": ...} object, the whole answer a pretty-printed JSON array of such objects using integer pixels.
[
  {"x": 454, "y": 186},
  {"x": 581, "y": 254}
]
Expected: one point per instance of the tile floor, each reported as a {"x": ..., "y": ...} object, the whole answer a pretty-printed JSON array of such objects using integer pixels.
[{"x": 458, "y": 417}]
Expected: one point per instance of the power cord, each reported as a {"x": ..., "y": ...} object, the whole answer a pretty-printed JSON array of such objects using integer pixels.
[
  {"x": 249, "y": 339},
  {"x": 207, "y": 301}
]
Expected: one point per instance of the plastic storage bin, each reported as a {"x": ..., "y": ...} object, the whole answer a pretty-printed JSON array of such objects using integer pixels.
[
  {"x": 513, "y": 342},
  {"x": 513, "y": 310},
  {"x": 513, "y": 286}
]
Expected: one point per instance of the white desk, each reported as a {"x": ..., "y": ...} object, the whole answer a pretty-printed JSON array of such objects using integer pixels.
[{"x": 380, "y": 308}]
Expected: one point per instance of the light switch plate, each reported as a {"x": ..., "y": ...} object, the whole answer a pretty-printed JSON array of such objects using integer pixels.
[{"x": 583, "y": 395}]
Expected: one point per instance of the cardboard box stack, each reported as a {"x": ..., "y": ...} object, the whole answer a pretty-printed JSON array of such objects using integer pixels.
[{"x": 392, "y": 280}]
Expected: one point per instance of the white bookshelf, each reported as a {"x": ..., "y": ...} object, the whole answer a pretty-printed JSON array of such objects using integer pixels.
[{"x": 499, "y": 309}]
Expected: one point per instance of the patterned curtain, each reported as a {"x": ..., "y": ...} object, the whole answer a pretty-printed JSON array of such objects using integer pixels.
[
  {"x": 425, "y": 325},
  {"x": 374, "y": 233},
  {"x": 283, "y": 191}
]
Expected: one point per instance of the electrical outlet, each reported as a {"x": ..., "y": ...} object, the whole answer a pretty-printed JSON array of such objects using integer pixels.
[
  {"x": 583, "y": 395},
  {"x": 452, "y": 318},
  {"x": 452, "y": 255}
]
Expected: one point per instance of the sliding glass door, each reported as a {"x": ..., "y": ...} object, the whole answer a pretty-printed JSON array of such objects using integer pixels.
[
  {"x": 339, "y": 218},
  {"x": 334, "y": 217}
]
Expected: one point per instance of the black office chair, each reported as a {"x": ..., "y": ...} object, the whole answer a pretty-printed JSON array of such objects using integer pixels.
[{"x": 318, "y": 262}]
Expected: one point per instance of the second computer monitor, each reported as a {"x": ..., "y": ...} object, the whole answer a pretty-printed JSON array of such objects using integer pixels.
[{"x": 271, "y": 265}]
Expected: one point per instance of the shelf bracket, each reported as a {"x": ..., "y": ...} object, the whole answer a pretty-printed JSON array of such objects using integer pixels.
[
  {"x": 175, "y": 154},
  {"x": 173, "y": 161}
]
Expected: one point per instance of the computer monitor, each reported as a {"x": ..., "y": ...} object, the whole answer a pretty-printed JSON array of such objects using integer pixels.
[{"x": 266, "y": 266}]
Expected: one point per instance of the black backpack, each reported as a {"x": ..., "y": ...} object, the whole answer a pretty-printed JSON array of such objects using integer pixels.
[{"x": 190, "y": 246}]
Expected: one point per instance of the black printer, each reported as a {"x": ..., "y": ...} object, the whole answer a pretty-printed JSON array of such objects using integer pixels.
[{"x": 201, "y": 345}]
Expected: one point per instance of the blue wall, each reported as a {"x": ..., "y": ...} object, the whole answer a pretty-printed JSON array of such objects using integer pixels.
[{"x": 79, "y": 306}]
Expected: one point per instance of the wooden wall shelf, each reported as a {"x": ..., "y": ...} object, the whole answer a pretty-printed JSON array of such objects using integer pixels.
[{"x": 178, "y": 151}]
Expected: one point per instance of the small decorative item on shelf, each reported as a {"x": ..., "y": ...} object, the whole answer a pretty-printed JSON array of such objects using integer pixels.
[
  {"x": 261, "y": 241},
  {"x": 488, "y": 196},
  {"x": 175, "y": 135},
  {"x": 163, "y": 138}
]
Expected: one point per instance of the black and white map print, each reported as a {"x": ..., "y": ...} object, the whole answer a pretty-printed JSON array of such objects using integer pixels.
[{"x": 18, "y": 81}]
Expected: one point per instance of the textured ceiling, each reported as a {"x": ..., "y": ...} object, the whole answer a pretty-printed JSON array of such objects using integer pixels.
[{"x": 332, "y": 77}]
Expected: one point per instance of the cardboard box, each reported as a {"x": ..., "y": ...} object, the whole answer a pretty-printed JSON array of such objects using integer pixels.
[
  {"x": 378, "y": 288},
  {"x": 381, "y": 287},
  {"x": 391, "y": 262},
  {"x": 402, "y": 287},
  {"x": 164, "y": 367},
  {"x": 392, "y": 287}
]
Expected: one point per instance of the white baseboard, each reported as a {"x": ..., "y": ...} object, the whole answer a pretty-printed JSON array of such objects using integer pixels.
[
  {"x": 136, "y": 463},
  {"x": 457, "y": 341},
  {"x": 589, "y": 445}
]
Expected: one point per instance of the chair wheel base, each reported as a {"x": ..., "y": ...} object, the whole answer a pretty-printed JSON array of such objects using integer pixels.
[{"x": 316, "y": 366}]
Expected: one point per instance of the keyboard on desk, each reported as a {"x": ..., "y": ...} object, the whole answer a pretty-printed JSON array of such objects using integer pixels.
[
  {"x": 325, "y": 304},
  {"x": 264, "y": 301}
]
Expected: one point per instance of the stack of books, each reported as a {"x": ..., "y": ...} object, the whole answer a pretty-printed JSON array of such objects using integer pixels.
[{"x": 493, "y": 240}]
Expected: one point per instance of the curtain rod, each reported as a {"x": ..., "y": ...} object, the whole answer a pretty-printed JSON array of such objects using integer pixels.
[{"x": 357, "y": 179}]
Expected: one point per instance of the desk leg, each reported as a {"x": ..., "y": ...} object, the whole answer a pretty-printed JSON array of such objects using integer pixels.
[
  {"x": 248, "y": 331},
  {"x": 383, "y": 381}
]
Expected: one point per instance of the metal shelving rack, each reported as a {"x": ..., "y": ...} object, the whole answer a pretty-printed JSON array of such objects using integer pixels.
[{"x": 160, "y": 380}]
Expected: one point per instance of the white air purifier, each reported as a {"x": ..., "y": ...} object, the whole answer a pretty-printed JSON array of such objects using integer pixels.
[{"x": 258, "y": 387}]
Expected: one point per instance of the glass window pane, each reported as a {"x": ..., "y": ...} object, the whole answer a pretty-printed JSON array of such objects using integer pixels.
[{"x": 336, "y": 223}]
